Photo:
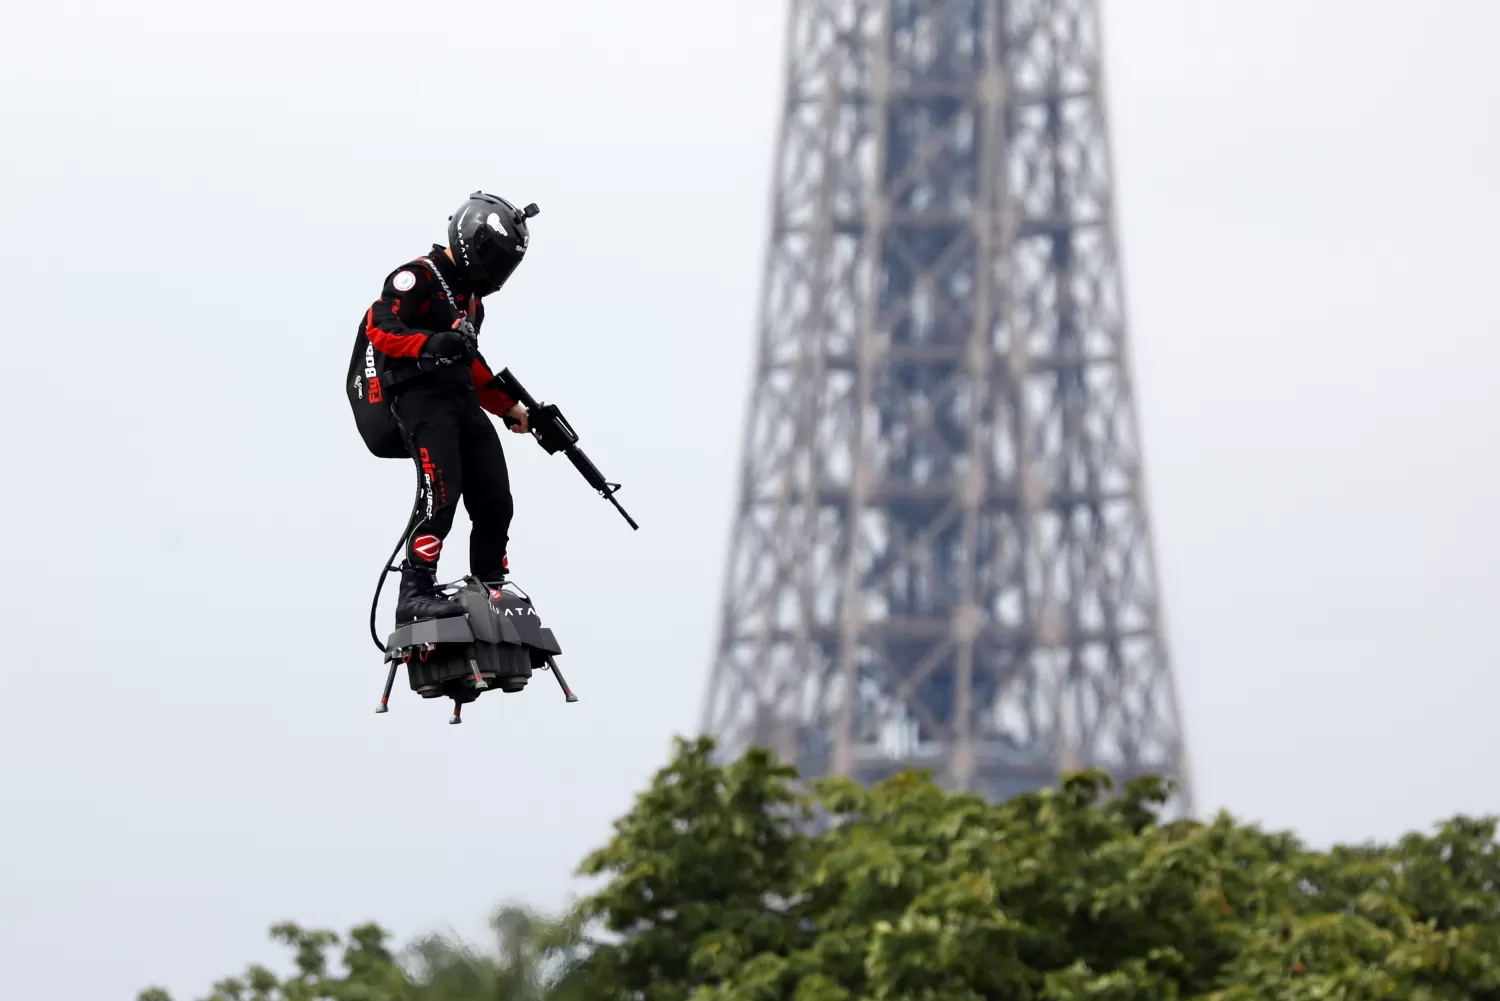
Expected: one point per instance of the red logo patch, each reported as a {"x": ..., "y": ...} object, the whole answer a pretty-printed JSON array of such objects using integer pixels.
[{"x": 427, "y": 547}]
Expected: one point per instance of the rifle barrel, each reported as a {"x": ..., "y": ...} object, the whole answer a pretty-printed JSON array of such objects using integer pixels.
[{"x": 513, "y": 388}]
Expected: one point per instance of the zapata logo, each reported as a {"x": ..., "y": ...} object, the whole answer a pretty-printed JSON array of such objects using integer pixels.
[{"x": 427, "y": 547}]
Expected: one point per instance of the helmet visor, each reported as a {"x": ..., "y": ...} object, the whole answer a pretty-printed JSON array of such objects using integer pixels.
[{"x": 497, "y": 262}]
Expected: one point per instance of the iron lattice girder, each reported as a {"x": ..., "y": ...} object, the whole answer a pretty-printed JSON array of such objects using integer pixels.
[{"x": 942, "y": 554}]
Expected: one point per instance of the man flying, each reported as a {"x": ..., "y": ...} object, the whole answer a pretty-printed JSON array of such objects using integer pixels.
[{"x": 424, "y": 333}]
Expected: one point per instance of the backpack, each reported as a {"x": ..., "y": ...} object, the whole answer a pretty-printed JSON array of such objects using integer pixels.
[
  {"x": 366, "y": 385},
  {"x": 369, "y": 380}
]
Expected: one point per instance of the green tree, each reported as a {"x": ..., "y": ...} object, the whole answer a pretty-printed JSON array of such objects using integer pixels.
[
  {"x": 704, "y": 872},
  {"x": 370, "y": 972},
  {"x": 532, "y": 951},
  {"x": 716, "y": 888},
  {"x": 738, "y": 881}
]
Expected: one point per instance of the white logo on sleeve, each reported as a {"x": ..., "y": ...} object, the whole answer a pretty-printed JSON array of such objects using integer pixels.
[{"x": 404, "y": 281}]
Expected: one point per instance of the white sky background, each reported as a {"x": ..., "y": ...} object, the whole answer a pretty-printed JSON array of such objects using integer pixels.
[{"x": 197, "y": 203}]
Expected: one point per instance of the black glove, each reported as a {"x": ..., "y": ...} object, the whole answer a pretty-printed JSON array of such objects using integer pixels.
[
  {"x": 445, "y": 344},
  {"x": 468, "y": 333}
]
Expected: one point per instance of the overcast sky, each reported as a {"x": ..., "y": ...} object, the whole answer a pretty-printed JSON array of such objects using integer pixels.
[{"x": 198, "y": 201}]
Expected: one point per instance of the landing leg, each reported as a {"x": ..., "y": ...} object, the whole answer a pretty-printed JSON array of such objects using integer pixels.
[
  {"x": 457, "y": 716},
  {"x": 479, "y": 681},
  {"x": 390, "y": 679},
  {"x": 567, "y": 692}
]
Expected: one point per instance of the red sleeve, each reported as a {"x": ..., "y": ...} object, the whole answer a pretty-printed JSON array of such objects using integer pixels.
[
  {"x": 490, "y": 396},
  {"x": 406, "y": 293}
]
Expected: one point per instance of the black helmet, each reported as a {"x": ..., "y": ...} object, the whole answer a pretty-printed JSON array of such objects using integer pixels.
[{"x": 488, "y": 237}]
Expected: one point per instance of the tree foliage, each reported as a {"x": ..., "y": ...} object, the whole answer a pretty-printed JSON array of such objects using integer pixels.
[
  {"x": 739, "y": 882},
  {"x": 531, "y": 952}
]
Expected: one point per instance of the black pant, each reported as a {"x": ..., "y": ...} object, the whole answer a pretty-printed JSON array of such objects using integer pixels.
[{"x": 458, "y": 454}]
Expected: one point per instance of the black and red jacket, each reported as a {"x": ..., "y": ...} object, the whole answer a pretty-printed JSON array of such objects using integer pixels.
[{"x": 412, "y": 306}]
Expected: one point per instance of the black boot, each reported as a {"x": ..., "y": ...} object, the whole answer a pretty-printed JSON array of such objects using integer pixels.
[{"x": 419, "y": 598}]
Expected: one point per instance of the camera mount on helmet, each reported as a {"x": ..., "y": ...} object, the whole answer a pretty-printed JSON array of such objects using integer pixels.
[{"x": 488, "y": 236}]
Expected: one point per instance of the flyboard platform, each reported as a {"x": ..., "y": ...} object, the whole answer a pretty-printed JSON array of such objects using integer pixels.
[{"x": 496, "y": 644}]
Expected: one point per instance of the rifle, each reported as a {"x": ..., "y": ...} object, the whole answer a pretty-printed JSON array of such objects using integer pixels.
[{"x": 552, "y": 430}]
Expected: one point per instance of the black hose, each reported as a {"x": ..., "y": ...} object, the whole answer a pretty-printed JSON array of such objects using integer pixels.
[
  {"x": 391, "y": 567},
  {"x": 411, "y": 524}
]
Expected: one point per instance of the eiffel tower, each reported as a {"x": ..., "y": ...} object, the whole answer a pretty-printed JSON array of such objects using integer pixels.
[{"x": 941, "y": 556}]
